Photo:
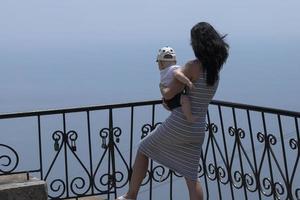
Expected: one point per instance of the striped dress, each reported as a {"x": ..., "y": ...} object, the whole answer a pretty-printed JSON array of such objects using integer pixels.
[{"x": 177, "y": 143}]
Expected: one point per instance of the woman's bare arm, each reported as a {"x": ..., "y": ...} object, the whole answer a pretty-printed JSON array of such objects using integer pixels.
[
  {"x": 179, "y": 75},
  {"x": 191, "y": 71},
  {"x": 174, "y": 88}
]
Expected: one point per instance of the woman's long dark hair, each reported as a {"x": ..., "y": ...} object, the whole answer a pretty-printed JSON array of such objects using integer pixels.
[{"x": 210, "y": 49}]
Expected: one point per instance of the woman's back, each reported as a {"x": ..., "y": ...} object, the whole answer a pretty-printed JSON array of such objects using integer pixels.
[{"x": 202, "y": 93}]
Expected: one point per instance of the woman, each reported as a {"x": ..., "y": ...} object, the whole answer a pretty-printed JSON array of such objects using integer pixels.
[{"x": 177, "y": 143}]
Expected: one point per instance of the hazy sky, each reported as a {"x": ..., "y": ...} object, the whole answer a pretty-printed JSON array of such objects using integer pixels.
[{"x": 47, "y": 21}]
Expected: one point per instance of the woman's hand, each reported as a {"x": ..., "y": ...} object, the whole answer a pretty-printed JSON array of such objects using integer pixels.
[
  {"x": 191, "y": 85},
  {"x": 165, "y": 105}
]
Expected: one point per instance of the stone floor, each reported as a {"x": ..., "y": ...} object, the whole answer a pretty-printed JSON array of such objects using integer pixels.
[
  {"x": 19, "y": 186},
  {"x": 17, "y": 178},
  {"x": 90, "y": 198}
]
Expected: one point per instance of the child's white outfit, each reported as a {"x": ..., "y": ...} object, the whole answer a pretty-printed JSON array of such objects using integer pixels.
[
  {"x": 167, "y": 74},
  {"x": 166, "y": 77}
]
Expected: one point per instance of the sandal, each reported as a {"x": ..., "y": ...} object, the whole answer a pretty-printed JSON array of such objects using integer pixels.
[{"x": 123, "y": 198}]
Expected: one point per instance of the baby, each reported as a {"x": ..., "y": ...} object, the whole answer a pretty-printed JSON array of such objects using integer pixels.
[{"x": 166, "y": 60}]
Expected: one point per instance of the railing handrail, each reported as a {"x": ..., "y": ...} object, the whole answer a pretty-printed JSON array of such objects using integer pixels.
[
  {"x": 77, "y": 109},
  {"x": 143, "y": 103},
  {"x": 256, "y": 108},
  {"x": 234, "y": 154}
]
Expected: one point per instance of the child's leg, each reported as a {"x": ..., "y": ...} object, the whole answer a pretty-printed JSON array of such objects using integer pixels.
[{"x": 187, "y": 108}]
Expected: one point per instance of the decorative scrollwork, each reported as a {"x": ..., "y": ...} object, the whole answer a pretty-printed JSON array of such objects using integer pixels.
[
  {"x": 239, "y": 133},
  {"x": 147, "y": 128},
  {"x": 242, "y": 179},
  {"x": 231, "y": 131},
  {"x": 117, "y": 133},
  {"x": 221, "y": 173},
  {"x": 177, "y": 174},
  {"x": 267, "y": 185},
  {"x": 119, "y": 178},
  {"x": 212, "y": 171},
  {"x": 72, "y": 136},
  {"x": 272, "y": 139},
  {"x": 217, "y": 173},
  {"x": 250, "y": 182},
  {"x": 273, "y": 188},
  {"x": 104, "y": 134},
  {"x": 294, "y": 144},
  {"x": 78, "y": 183},
  {"x": 59, "y": 186},
  {"x": 279, "y": 189},
  {"x": 7, "y": 160},
  {"x": 103, "y": 180},
  {"x": 239, "y": 179},
  {"x": 58, "y": 136},
  {"x": 269, "y": 139},
  {"x": 260, "y": 137},
  {"x": 212, "y": 128},
  {"x": 107, "y": 180},
  {"x": 206, "y": 126},
  {"x": 159, "y": 172},
  {"x": 201, "y": 171}
]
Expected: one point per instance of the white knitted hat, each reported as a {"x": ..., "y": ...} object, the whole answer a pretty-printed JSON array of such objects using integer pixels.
[{"x": 166, "y": 54}]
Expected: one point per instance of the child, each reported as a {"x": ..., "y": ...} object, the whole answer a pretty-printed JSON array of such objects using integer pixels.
[{"x": 166, "y": 60}]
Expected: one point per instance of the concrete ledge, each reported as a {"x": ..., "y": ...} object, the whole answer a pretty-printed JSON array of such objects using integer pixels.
[
  {"x": 17, "y": 187},
  {"x": 89, "y": 198},
  {"x": 13, "y": 178}
]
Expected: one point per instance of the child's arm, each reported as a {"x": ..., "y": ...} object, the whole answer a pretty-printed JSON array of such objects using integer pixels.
[
  {"x": 179, "y": 75},
  {"x": 161, "y": 88}
]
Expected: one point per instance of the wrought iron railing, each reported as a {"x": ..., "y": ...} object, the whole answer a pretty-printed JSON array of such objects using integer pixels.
[{"x": 250, "y": 152}]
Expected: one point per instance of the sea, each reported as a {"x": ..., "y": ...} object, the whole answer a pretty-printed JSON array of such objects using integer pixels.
[{"x": 40, "y": 76}]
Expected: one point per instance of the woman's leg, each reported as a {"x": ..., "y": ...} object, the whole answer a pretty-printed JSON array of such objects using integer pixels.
[
  {"x": 195, "y": 190},
  {"x": 138, "y": 174}
]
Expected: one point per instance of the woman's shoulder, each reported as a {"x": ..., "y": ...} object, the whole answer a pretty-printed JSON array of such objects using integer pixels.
[
  {"x": 195, "y": 68},
  {"x": 194, "y": 64}
]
